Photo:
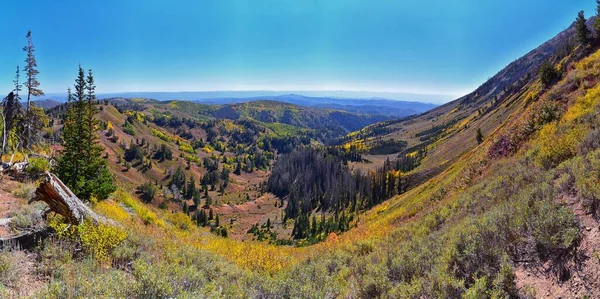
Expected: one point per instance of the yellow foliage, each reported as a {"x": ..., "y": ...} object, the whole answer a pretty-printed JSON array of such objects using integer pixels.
[
  {"x": 186, "y": 147},
  {"x": 208, "y": 149},
  {"x": 147, "y": 216},
  {"x": 191, "y": 158},
  {"x": 112, "y": 210},
  {"x": 18, "y": 157},
  {"x": 181, "y": 220},
  {"x": 164, "y": 136},
  {"x": 252, "y": 256},
  {"x": 557, "y": 144},
  {"x": 100, "y": 239},
  {"x": 584, "y": 105},
  {"x": 589, "y": 62}
]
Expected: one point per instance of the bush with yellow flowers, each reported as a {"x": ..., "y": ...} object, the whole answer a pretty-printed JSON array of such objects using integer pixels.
[{"x": 96, "y": 239}]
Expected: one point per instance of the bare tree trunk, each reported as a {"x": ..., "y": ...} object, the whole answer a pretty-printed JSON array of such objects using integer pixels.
[
  {"x": 3, "y": 136},
  {"x": 61, "y": 200}
]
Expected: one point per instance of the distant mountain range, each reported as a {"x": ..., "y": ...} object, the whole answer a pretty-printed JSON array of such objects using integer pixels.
[{"x": 370, "y": 105}]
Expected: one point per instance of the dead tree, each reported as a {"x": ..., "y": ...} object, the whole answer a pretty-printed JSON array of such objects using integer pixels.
[{"x": 61, "y": 200}]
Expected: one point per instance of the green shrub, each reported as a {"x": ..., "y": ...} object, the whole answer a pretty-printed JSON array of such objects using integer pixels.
[
  {"x": 147, "y": 191},
  {"x": 128, "y": 128},
  {"x": 554, "y": 228},
  {"x": 25, "y": 190},
  {"x": 548, "y": 74},
  {"x": 10, "y": 270},
  {"x": 37, "y": 166}
]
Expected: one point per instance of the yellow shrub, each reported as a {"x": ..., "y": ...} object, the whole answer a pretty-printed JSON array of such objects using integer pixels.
[
  {"x": 557, "y": 144},
  {"x": 99, "y": 240},
  {"x": 584, "y": 105},
  {"x": 18, "y": 157},
  {"x": 181, "y": 220},
  {"x": 112, "y": 210},
  {"x": 589, "y": 62},
  {"x": 186, "y": 147},
  {"x": 147, "y": 216}
]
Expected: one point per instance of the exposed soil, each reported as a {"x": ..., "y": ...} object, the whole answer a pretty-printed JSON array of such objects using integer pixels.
[
  {"x": 247, "y": 214},
  {"x": 8, "y": 204}
]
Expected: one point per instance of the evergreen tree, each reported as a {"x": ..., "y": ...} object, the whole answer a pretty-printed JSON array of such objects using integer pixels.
[
  {"x": 479, "y": 136},
  {"x": 597, "y": 21},
  {"x": 197, "y": 199},
  {"x": 11, "y": 115},
  {"x": 583, "y": 33},
  {"x": 178, "y": 178},
  {"x": 31, "y": 83},
  {"x": 81, "y": 166},
  {"x": 238, "y": 168},
  {"x": 191, "y": 189}
]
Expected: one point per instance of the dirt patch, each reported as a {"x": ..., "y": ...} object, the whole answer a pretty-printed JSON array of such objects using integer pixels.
[{"x": 240, "y": 218}]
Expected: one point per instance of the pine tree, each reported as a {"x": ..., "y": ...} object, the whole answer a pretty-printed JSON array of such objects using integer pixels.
[
  {"x": 583, "y": 33},
  {"x": 479, "y": 136},
  {"x": 597, "y": 21},
  {"x": 191, "y": 188},
  {"x": 11, "y": 116},
  {"x": 81, "y": 166},
  {"x": 32, "y": 84},
  {"x": 238, "y": 168}
]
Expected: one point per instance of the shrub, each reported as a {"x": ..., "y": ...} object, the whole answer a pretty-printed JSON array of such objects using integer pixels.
[
  {"x": 10, "y": 270},
  {"x": 100, "y": 239},
  {"x": 181, "y": 220},
  {"x": 557, "y": 144},
  {"x": 37, "y": 166},
  {"x": 147, "y": 191},
  {"x": 586, "y": 171},
  {"x": 128, "y": 128},
  {"x": 126, "y": 252},
  {"x": 548, "y": 74},
  {"x": 112, "y": 210},
  {"x": 25, "y": 190},
  {"x": 553, "y": 227}
]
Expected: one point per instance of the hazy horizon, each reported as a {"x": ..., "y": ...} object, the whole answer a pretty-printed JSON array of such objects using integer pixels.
[{"x": 436, "y": 99}]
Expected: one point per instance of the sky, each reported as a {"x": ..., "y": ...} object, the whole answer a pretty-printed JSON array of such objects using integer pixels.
[{"x": 446, "y": 47}]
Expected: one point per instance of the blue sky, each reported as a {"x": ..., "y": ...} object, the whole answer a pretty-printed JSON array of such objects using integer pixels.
[{"x": 429, "y": 47}]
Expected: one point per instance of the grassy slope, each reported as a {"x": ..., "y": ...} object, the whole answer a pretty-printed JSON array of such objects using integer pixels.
[
  {"x": 453, "y": 235},
  {"x": 432, "y": 241}
]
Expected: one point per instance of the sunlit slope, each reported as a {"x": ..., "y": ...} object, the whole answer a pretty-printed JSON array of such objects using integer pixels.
[
  {"x": 449, "y": 131},
  {"x": 465, "y": 230}
]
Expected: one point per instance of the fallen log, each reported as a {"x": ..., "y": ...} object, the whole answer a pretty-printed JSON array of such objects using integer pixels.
[
  {"x": 61, "y": 200},
  {"x": 24, "y": 240}
]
